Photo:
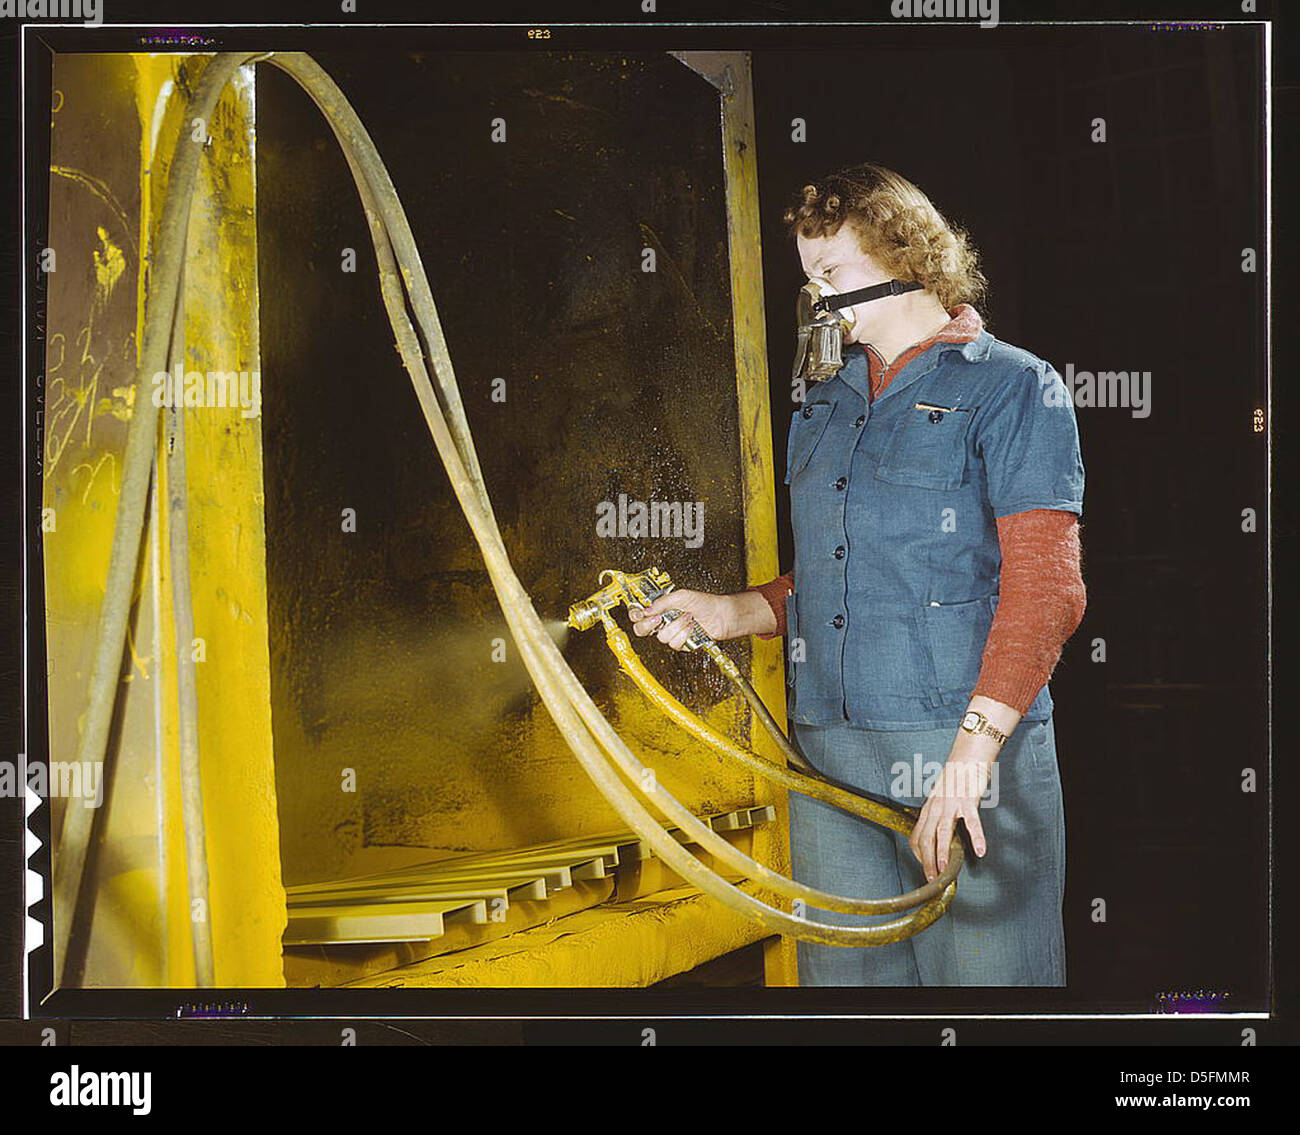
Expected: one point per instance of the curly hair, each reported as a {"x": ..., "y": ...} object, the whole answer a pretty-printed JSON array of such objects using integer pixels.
[{"x": 896, "y": 224}]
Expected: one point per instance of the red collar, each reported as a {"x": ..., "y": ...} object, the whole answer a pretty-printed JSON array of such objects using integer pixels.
[{"x": 964, "y": 326}]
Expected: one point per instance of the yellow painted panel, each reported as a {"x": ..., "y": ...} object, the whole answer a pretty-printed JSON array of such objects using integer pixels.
[
  {"x": 228, "y": 556},
  {"x": 730, "y": 72}
]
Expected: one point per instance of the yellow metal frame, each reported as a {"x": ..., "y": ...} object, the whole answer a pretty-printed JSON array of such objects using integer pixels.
[
  {"x": 731, "y": 73},
  {"x": 227, "y": 556}
]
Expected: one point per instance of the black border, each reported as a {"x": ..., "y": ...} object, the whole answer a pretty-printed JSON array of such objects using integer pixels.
[{"x": 637, "y": 1007}]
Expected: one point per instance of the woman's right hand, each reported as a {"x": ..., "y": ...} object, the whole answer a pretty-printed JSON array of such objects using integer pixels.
[{"x": 720, "y": 616}]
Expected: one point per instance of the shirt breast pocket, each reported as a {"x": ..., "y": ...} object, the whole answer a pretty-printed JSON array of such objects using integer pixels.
[
  {"x": 927, "y": 448},
  {"x": 806, "y": 429}
]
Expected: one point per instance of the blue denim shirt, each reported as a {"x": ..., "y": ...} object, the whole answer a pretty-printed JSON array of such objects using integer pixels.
[{"x": 894, "y": 508}]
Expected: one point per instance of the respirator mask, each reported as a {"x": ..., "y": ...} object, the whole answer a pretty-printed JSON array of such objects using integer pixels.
[{"x": 824, "y": 317}]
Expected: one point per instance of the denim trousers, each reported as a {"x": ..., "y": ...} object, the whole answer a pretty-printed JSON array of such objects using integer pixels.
[{"x": 1004, "y": 926}]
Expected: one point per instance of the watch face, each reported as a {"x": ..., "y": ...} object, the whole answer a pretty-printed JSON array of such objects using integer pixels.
[{"x": 970, "y": 721}]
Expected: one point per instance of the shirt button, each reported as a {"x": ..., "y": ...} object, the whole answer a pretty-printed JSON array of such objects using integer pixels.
[
  {"x": 839, "y": 552},
  {"x": 807, "y": 411},
  {"x": 841, "y": 483},
  {"x": 862, "y": 421},
  {"x": 838, "y": 621}
]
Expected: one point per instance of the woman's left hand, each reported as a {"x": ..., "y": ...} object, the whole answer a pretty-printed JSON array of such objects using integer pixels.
[
  {"x": 955, "y": 796},
  {"x": 957, "y": 793}
]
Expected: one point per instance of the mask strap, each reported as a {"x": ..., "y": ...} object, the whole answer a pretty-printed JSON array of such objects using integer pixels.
[{"x": 865, "y": 295}]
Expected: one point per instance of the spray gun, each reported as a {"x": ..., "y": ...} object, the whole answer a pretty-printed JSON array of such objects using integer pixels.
[{"x": 637, "y": 591}]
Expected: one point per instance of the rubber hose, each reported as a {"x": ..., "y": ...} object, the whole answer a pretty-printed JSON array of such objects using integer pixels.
[
  {"x": 806, "y": 779},
  {"x": 789, "y": 751},
  {"x": 895, "y": 816},
  {"x": 187, "y": 715}
]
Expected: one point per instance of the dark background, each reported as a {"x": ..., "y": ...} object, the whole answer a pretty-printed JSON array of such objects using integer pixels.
[{"x": 1117, "y": 256}]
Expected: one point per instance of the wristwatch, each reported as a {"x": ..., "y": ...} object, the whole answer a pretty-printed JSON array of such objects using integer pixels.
[{"x": 976, "y": 722}]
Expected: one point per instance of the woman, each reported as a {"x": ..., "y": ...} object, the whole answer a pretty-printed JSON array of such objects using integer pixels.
[{"x": 936, "y": 488}]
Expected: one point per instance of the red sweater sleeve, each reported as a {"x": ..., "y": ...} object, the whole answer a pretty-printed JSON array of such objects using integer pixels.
[
  {"x": 775, "y": 592},
  {"x": 1042, "y": 603}
]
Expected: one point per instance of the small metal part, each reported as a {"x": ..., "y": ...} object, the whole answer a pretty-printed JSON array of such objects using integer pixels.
[{"x": 636, "y": 590}]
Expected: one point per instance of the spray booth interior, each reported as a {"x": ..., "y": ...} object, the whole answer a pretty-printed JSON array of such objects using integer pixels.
[{"x": 360, "y": 711}]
